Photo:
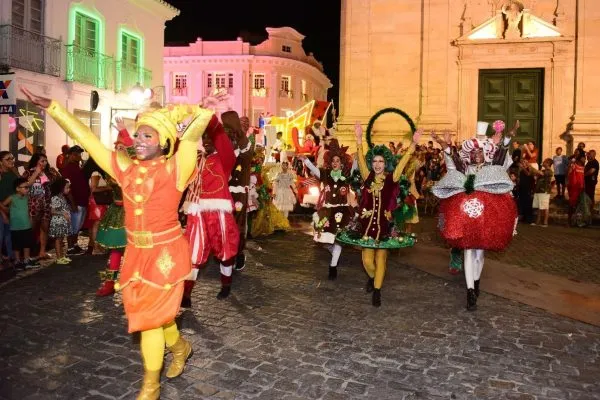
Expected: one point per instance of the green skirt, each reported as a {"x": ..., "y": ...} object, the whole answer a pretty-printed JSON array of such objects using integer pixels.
[
  {"x": 348, "y": 237},
  {"x": 111, "y": 232}
]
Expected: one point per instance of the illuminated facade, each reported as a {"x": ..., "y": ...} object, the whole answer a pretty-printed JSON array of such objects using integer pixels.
[
  {"x": 275, "y": 77},
  {"x": 64, "y": 49},
  {"x": 450, "y": 63}
]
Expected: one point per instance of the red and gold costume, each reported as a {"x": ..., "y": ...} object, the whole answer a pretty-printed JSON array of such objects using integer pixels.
[
  {"x": 157, "y": 255},
  {"x": 211, "y": 227}
]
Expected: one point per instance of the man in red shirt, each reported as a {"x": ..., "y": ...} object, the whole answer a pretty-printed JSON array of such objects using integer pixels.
[
  {"x": 80, "y": 195},
  {"x": 60, "y": 160}
]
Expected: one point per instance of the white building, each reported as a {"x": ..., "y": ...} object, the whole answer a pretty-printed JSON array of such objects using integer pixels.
[
  {"x": 65, "y": 49},
  {"x": 273, "y": 77}
]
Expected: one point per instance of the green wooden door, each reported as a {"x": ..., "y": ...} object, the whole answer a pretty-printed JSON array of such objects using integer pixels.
[{"x": 510, "y": 95}]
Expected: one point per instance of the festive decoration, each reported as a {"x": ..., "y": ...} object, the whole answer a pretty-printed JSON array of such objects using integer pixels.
[
  {"x": 392, "y": 110},
  {"x": 499, "y": 126}
]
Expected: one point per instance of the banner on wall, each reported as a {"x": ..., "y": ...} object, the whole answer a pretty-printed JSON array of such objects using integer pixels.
[
  {"x": 8, "y": 99},
  {"x": 29, "y": 133}
]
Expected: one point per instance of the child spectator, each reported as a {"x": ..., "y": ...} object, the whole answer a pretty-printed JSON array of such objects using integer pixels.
[
  {"x": 561, "y": 163},
  {"x": 60, "y": 223},
  {"x": 17, "y": 207},
  {"x": 543, "y": 187}
]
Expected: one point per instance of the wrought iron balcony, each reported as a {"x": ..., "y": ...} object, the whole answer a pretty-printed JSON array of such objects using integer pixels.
[
  {"x": 286, "y": 93},
  {"x": 260, "y": 92},
  {"x": 128, "y": 75},
  {"x": 215, "y": 91},
  {"x": 90, "y": 67},
  {"x": 179, "y": 91},
  {"x": 31, "y": 51}
]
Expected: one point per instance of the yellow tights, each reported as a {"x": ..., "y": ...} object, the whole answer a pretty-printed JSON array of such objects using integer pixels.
[
  {"x": 375, "y": 263},
  {"x": 153, "y": 345}
]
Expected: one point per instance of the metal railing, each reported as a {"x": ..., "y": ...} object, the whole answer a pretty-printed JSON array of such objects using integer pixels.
[
  {"x": 90, "y": 67},
  {"x": 28, "y": 50},
  {"x": 182, "y": 91},
  {"x": 128, "y": 75},
  {"x": 286, "y": 93},
  {"x": 260, "y": 92},
  {"x": 214, "y": 91}
]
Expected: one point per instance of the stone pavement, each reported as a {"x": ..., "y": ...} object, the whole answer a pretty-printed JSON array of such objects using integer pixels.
[
  {"x": 288, "y": 334},
  {"x": 570, "y": 252}
]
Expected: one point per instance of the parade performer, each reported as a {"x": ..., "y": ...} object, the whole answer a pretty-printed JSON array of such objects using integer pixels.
[
  {"x": 477, "y": 211},
  {"x": 377, "y": 201},
  {"x": 284, "y": 190},
  {"x": 157, "y": 255},
  {"x": 211, "y": 227},
  {"x": 111, "y": 232},
  {"x": 239, "y": 183},
  {"x": 268, "y": 218},
  {"x": 334, "y": 212}
]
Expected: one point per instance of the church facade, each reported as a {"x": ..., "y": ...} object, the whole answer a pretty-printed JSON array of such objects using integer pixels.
[{"x": 450, "y": 63}]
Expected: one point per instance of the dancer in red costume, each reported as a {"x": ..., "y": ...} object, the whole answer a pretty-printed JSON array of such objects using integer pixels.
[
  {"x": 211, "y": 227},
  {"x": 477, "y": 211}
]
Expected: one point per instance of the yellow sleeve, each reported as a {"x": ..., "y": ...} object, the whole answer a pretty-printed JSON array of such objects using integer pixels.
[
  {"x": 188, "y": 148},
  {"x": 362, "y": 162},
  {"x": 84, "y": 136},
  {"x": 403, "y": 161}
]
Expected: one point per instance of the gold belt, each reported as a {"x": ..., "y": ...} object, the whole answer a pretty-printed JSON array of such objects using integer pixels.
[{"x": 148, "y": 239}]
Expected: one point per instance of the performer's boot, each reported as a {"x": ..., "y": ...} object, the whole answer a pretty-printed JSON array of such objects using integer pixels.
[
  {"x": 240, "y": 261},
  {"x": 110, "y": 275},
  {"x": 332, "y": 273},
  {"x": 370, "y": 286},
  {"x": 107, "y": 289},
  {"x": 376, "y": 297},
  {"x": 225, "y": 285},
  {"x": 477, "y": 288},
  {"x": 182, "y": 350},
  {"x": 150, "y": 386},
  {"x": 471, "y": 300},
  {"x": 186, "y": 300}
]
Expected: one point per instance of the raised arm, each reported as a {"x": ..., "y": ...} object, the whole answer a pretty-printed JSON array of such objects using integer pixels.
[
  {"x": 188, "y": 147},
  {"x": 403, "y": 161},
  {"x": 311, "y": 167},
  {"x": 360, "y": 155},
  {"x": 78, "y": 132},
  {"x": 406, "y": 157}
]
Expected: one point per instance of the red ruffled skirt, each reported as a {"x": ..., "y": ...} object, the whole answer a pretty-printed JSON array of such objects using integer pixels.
[{"x": 478, "y": 220}]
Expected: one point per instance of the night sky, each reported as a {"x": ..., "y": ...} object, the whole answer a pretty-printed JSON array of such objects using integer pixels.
[{"x": 319, "y": 21}]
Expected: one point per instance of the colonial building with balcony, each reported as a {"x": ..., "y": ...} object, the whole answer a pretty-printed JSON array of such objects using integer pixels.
[
  {"x": 66, "y": 49},
  {"x": 274, "y": 77}
]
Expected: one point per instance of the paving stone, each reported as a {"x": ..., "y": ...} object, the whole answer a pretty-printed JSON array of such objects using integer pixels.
[{"x": 288, "y": 333}]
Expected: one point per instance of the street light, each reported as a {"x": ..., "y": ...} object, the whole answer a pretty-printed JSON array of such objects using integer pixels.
[
  {"x": 139, "y": 95},
  {"x": 136, "y": 94}
]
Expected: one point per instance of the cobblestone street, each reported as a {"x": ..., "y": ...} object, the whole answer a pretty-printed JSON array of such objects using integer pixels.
[{"x": 286, "y": 333}]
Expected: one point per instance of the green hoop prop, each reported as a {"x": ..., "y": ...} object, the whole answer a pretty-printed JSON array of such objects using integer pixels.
[{"x": 389, "y": 110}]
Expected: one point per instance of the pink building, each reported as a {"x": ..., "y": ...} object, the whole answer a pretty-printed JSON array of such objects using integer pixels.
[{"x": 273, "y": 77}]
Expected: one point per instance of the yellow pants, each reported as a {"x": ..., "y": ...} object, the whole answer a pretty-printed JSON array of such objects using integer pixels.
[
  {"x": 153, "y": 345},
  {"x": 375, "y": 263}
]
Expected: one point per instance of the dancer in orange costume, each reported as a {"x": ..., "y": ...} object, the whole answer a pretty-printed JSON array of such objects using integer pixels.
[{"x": 157, "y": 255}]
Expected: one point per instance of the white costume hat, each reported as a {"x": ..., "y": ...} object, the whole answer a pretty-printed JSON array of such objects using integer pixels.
[{"x": 482, "y": 128}]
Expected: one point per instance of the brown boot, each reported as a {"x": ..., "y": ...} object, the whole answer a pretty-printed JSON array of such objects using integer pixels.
[
  {"x": 150, "y": 386},
  {"x": 182, "y": 350}
]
